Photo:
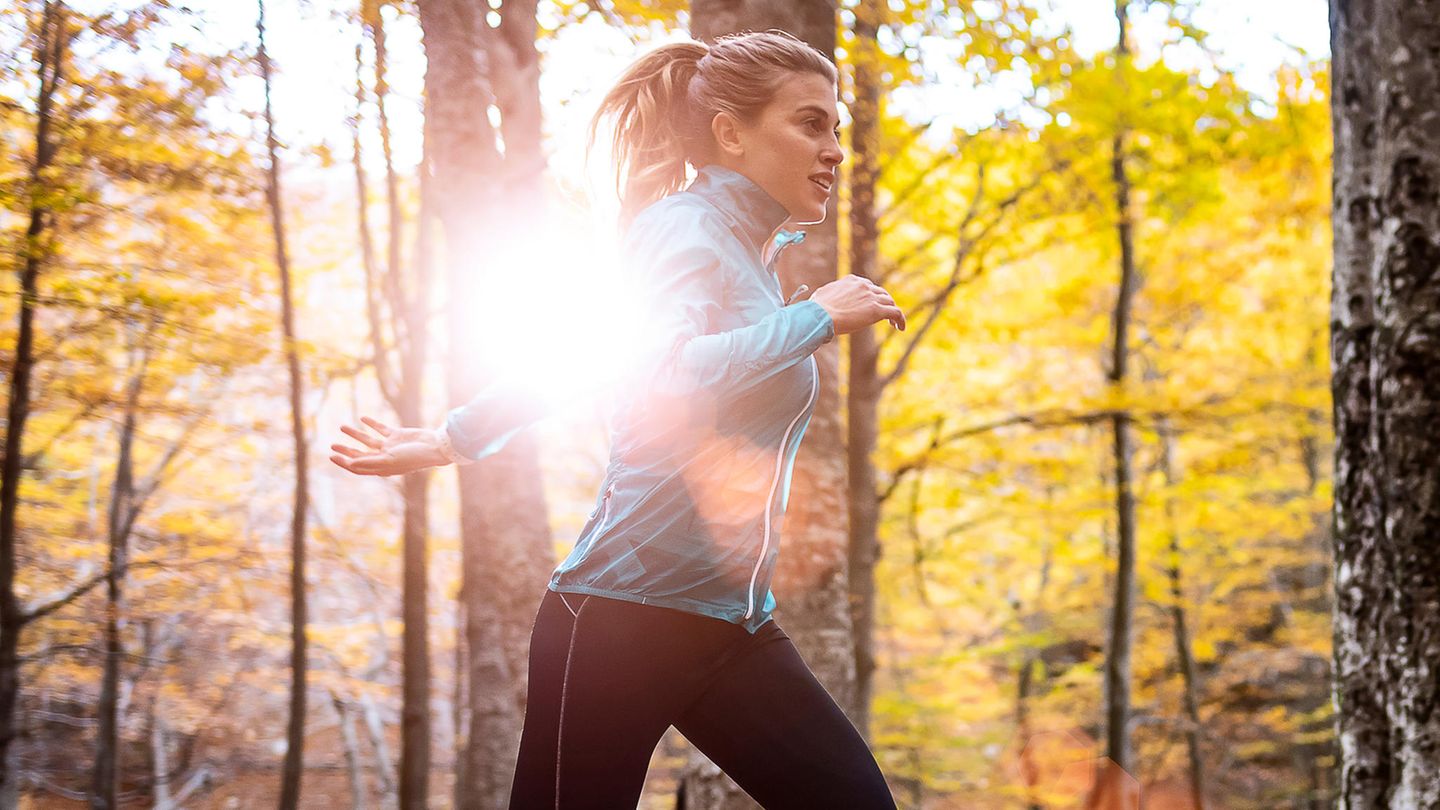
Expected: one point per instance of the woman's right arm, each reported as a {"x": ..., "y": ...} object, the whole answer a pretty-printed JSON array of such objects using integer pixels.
[{"x": 681, "y": 354}]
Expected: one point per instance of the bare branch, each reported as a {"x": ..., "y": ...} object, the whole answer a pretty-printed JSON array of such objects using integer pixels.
[
  {"x": 968, "y": 243},
  {"x": 88, "y": 585}
]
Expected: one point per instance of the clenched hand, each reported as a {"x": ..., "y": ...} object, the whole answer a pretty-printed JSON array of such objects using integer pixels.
[{"x": 855, "y": 302}]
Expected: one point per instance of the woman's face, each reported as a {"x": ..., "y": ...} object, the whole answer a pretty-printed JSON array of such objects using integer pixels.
[{"x": 792, "y": 149}]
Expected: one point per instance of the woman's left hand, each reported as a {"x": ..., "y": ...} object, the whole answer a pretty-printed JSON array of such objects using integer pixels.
[{"x": 395, "y": 451}]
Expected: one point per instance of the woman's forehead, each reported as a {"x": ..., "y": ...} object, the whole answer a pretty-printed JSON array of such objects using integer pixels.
[{"x": 807, "y": 93}]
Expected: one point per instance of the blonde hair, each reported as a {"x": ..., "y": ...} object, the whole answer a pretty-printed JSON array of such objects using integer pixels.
[{"x": 663, "y": 104}]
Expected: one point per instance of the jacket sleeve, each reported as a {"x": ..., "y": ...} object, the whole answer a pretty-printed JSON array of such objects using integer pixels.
[
  {"x": 679, "y": 353},
  {"x": 682, "y": 352},
  {"x": 488, "y": 421}
]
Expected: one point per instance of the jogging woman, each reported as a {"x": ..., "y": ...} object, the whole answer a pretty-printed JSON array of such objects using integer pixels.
[{"x": 661, "y": 615}]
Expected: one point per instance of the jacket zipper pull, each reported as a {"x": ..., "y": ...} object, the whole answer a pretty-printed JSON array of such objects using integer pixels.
[{"x": 799, "y": 291}]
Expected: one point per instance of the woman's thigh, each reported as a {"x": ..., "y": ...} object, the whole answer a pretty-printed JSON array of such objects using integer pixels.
[
  {"x": 772, "y": 727},
  {"x": 606, "y": 679}
]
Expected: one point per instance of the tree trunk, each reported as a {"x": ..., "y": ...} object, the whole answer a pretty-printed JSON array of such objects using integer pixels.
[
  {"x": 160, "y": 759},
  {"x": 863, "y": 395},
  {"x": 1183, "y": 655},
  {"x": 345, "y": 719},
  {"x": 1029, "y": 771},
  {"x": 482, "y": 200},
  {"x": 811, "y": 584},
  {"x": 295, "y": 729},
  {"x": 408, "y": 299},
  {"x": 1385, "y": 349},
  {"x": 1120, "y": 631},
  {"x": 122, "y": 512},
  {"x": 375, "y": 727},
  {"x": 49, "y": 58}
]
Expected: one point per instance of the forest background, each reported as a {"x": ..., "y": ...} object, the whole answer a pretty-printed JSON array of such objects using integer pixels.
[{"x": 1078, "y": 514}]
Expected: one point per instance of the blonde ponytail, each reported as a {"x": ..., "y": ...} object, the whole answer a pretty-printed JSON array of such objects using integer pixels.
[{"x": 663, "y": 104}]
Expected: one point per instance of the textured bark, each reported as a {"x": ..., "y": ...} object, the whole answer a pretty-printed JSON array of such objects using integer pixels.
[
  {"x": 293, "y": 766},
  {"x": 1385, "y": 350},
  {"x": 811, "y": 583},
  {"x": 482, "y": 199},
  {"x": 1122, "y": 608},
  {"x": 49, "y": 60},
  {"x": 863, "y": 393}
]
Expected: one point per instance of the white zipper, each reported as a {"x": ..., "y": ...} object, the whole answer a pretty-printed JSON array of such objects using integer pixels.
[
  {"x": 605, "y": 518},
  {"x": 774, "y": 484},
  {"x": 604, "y": 504}
]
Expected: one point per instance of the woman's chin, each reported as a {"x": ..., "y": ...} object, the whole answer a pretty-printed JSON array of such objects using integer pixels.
[{"x": 808, "y": 215}]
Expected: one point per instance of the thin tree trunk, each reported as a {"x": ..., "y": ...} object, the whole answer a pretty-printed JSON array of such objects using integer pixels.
[
  {"x": 346, "y": 720},
  {"x": 408, "y": 304},
  {"x": 121, "y": 517},
  {"x": 375, "y": 22},
  {"x": 295, "y": 730},
  {"x": 367, "y": 242},
  {"x": 160, "y": 759},
  {"x": 49, "y": 58},
  {"x": 1033, "y": 621},
  {"x": 863, "y": 395},
  {"x": 1029, "y": 771},
  {"x": 811, "y": 585},
  {"x": 1183, "y": 654},
  {"x": 1385, "y": 350},
  {"x": 375, "y": 727},
  {"x": 1120, "y": 633}
]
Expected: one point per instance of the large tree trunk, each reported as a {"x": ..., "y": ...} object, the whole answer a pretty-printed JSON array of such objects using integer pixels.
[
  {"x": 1122, "y": 608},
  {"x": 863, "y": 395},
  {"x": 1385, "y": 347},
  {"x": 295, "y": 729},
  {"x": 811, "y": 585},
  {"x": 481, "y": 200},
  {"x": 49, "y": 58}
]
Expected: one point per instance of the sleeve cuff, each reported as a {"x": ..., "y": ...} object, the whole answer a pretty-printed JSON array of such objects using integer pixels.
[
  {"x": 447, "y": 446},
  {"x": 824, "y": 325}
]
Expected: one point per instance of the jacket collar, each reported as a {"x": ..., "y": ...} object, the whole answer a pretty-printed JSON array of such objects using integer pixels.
[{"x": 753, "y": 213}]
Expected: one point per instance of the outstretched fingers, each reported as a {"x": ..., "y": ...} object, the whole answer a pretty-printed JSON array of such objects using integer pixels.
[
  {"x": 347, "y": 450},
  {"x": 360, "y": 436},
  {"x": 380, "y": 427}
]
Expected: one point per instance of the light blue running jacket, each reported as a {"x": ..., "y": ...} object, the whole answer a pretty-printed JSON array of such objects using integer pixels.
[{"x": 706, "y": 427}]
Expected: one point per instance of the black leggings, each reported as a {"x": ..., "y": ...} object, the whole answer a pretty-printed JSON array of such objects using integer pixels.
[{"x": 608, "y": 677}]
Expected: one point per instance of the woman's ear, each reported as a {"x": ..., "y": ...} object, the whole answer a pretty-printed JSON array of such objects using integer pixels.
[{"x": 728, "y": 139}]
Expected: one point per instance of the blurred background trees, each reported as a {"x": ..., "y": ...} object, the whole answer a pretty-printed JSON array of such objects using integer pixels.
[{"x": 1080, "y": 509}]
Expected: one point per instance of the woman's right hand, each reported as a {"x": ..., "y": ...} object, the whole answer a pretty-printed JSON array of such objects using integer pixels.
[
  {"x": 394, "y": 451},
  {"x": 855, "y": 302}
]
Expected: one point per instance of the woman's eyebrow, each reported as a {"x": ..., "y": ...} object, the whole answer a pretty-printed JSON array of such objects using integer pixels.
[{"x": 815, "y": 108}]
